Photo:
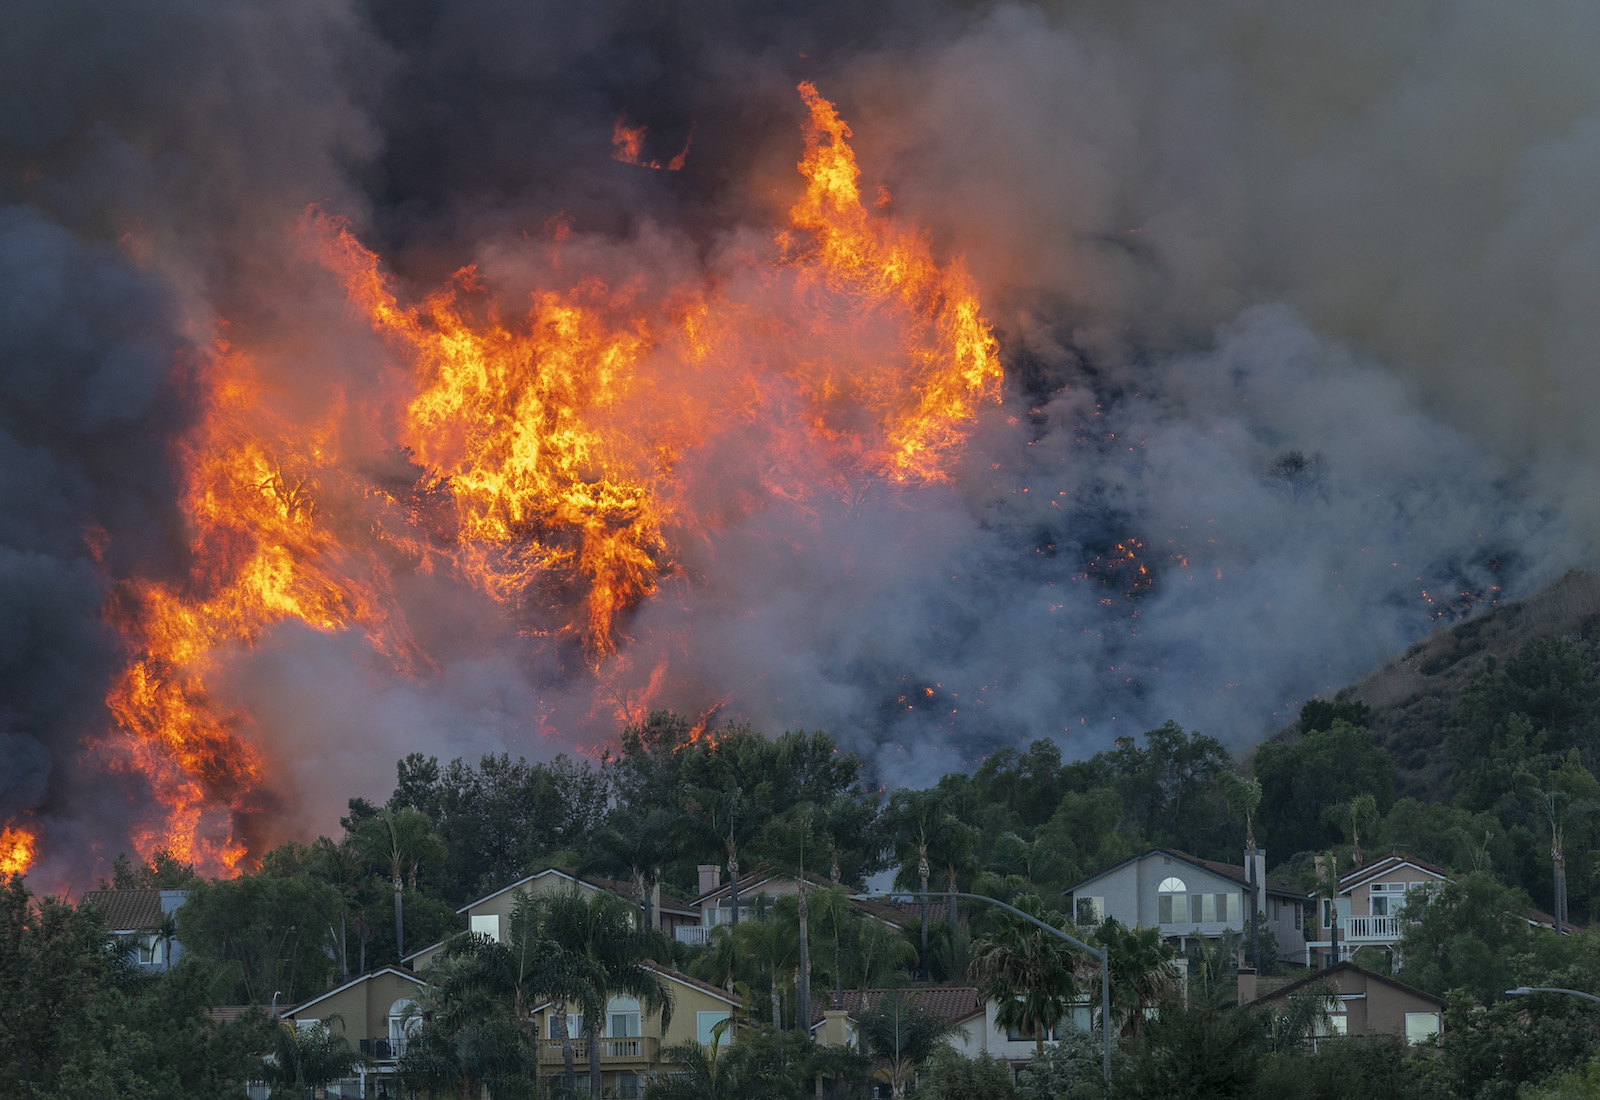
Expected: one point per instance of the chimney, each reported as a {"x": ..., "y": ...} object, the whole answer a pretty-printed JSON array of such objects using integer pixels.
[
  {"x": 710, "y": 877},
  {"x": 1247, "y": 984}
]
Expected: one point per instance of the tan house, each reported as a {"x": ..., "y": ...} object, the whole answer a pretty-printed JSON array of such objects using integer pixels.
[
  {"x": 632, "y": 1041},
  {"x": 1367, "y": 1003},
  {"x": 1369, "y": 906},
  {"x": 490, "y": 915},
  {"x": 376, "y": 1013}
]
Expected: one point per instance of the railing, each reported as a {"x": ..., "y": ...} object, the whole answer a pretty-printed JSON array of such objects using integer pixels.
[
  {"x": 1372, "y": 928},
  {"x": 696, "y": 935},
  {"x": 640, "y": 1048},
  {"x": 383, "y": 1049}
]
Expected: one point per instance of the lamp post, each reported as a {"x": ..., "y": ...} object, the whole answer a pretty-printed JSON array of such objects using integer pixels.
[
  {"x": 1524, "y": 990},
  {"x": 1099, "y": 954}
]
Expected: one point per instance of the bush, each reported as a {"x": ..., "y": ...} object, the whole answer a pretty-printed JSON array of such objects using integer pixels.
[
  {"x": 950, "y": 1076},
  {"x": 1069, "y": 1070}
]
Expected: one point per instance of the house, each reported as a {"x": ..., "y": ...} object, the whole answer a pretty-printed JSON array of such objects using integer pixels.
[
  {"x": 833, "y": 1020},
  {"x": 144, "y": 920},
  {"x": 1367, "y": 1003},
  {"x": 376, "y": 1013},
  {"x": 491, "y": 914},
  {"x": 632, "y": 1040},
  {"x": 1190, "y": 899},
  {"x": 1369, "y": 904},
  {"x": 760, "y": 887}
]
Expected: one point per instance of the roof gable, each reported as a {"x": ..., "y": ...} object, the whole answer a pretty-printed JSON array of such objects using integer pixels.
[
  {"x": 1371, "y": 976},
  {"x": 1350, "y": 880},
  {"x": 396, "y": 971},
  {"x": 1210, "y": 866}
]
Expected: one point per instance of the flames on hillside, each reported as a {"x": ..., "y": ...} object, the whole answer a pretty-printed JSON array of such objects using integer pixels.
[{"x": 541, "y": 451}]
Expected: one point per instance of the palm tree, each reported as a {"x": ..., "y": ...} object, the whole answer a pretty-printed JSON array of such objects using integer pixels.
[
  {"x": 1141, "y": 972},
  {"x": 722, "y": 819},
  {"x": 1029, "y": 974},
  {"x": 1243, "y": 796},
  {"x": 1351, "y": 816},
  {"x": 1306, "y": 1015},
  {"x": 613, "y": 959},
  {"x": 922, "y": 827},
  {"x": 402, "y": 840},
  {"x": 635, "y": 845},
  {"x": 308, "y": 1056},
  {"x": 898, "y": 1032},
  {"x": 699, "y": 1073},
  {"x": 340, "y": 865},
  {"x": 471, "y": 1040}
]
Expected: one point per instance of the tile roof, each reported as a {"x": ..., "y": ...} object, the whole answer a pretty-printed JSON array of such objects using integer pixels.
[
  {"x": 126, "y": 910},
  {"x": 1230, "y": 871},
  {"x": 951, "y": 1002}
]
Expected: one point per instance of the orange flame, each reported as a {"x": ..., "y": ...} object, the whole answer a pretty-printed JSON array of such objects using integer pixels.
[
  {"x": 627, "y": 146},
  {"x": 546, "y": 458},
  {"x": 16, "y": 851}
]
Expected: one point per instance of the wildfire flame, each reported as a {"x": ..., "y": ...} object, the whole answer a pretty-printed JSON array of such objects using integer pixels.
[
  {"x": 16, "y": 851},
  {"x": 540, "y": 453}
]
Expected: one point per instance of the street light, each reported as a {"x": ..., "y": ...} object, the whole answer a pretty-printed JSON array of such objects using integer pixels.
[
  {"x": 1097, "y": 953},
  {"x": 1524, "y": 990}
]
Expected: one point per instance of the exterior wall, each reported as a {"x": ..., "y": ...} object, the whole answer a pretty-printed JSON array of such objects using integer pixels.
[
  {"x": 363, "y": 1008},
  {"x": 985, "y": 1035},
  {"x": 500, "y": 905},
  {"x": 1291, "y": 940},
  {"x": 1371, "y": 1006},
  {"x": 1132, "y": 896}
]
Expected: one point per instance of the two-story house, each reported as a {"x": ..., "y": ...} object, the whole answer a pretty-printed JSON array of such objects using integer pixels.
[
  {"x": 376, "y": 1013},
  {"x": 1369, "y": 903},
  {"x": 490, "y": 915},
  {"x": 144, "y": 920},
  {"x": 759, "y": 888},
  {"x": 632, "y": 1040},
  {"x": 1190, "y": 899}
]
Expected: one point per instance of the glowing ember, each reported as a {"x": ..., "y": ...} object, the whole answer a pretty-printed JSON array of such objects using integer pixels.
[
  {"x": 627, "y": 145},
  {"x": 544, "y": 454},
  {"x": 16, "y": 851}
]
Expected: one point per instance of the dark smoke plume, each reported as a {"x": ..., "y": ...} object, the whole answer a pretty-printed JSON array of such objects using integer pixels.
[{"x": 1295, "y": 303}]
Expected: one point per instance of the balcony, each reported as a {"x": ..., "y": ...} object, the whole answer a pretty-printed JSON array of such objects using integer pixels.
[
  {"x": 695, "y": 935},
  {"x": 1372, "y": 929},
  {"x": 641, "y": 1050},
  {"x": 383, "y": 1049}
]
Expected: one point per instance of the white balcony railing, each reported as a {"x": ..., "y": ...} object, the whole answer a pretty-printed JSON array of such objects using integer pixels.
[
  {"x": 1373, "y": 928},
  {"x": 695, "y": 935}
]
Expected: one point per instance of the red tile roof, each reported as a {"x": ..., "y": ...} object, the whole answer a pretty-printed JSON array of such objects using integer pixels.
[
  {"x": 126, "y": 910},
  {"x": 951, "y": 1002}
]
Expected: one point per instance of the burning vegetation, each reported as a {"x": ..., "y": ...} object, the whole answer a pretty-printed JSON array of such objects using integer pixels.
[{"x": 539, "y": 451}]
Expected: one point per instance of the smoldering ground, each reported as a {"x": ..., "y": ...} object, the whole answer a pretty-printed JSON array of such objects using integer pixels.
[{"x": 1212, "y": 240}]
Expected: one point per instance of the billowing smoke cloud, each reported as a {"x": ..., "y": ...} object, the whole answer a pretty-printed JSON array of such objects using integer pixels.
[{"x": 1295, "y": 304}]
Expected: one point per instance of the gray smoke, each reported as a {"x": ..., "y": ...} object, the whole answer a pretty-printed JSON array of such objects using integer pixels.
[{"x": 1295, "y": 301}]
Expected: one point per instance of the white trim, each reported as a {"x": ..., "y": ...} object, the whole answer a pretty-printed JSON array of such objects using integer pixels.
[
  {"x": 353, "y": 982},
  {"x": 524, "y": 881}
]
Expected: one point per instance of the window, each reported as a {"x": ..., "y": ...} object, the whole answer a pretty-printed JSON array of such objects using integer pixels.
[
  {"x": 705, "y": 1024},
  {"x": 1089, "y": 910},
  {"x": 1171, "y": 906},
  {"x": 625, "y": 1018},
  {"x": 148, "y": 953},
  {"x": 1421, "y": 1025},
  {"x": 487, "y": 925},
  {"x": 1296, "y": 916},
  {"x": 1327, "y": 912},
  {"x": 574, "y": 1025},
  {"x": 628, "y": 1087}
]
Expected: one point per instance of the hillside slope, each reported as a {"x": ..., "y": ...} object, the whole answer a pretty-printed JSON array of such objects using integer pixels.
[{"x": 1414, "y": 695}]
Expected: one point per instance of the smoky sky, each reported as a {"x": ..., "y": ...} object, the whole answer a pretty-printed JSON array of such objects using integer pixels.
[{"x": 1295, "y": 302}]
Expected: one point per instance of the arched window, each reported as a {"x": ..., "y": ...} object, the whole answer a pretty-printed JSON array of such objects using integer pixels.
[
  {"x": 625, "y": 1019},
  {"x": 1172, "y": 904},
  {"x": 404, "y": 1020}
]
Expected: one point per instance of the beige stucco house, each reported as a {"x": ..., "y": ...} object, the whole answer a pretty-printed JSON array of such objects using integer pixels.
[
  {"x": 376, "y": 1013},
  {"x": 632, "y": 1041},
  {"x": 1367, "y": 1003}
]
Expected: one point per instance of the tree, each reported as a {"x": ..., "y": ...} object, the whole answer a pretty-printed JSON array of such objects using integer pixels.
[
  {"x": 1070, "y": 1069},
  {"x": 924, "y": 831},
  {"x": 1466, "y": 933},
  {"x": 471, "y": 1040},
  {"x": 952, "y": 1076},
  {"x": 1242, "y": 797},
  {"x": 402, "y": 840},
  {"x": 1300, "y": 779},
  {"x": 308, "y": 1056},
  {"x": 272, "y": 924},
  {"x": 1359, "y": 811},
  {"x": 636, "y": 843},
  {"x": 612, "y": 959},
  {"x": 1142, "y": 974},
  {"x": 896, "y": 1030},
  {"x": 1196, "y": 1053},
  {"x": 341, "y": 866},
  {"x": 1028, "y": 973}
]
